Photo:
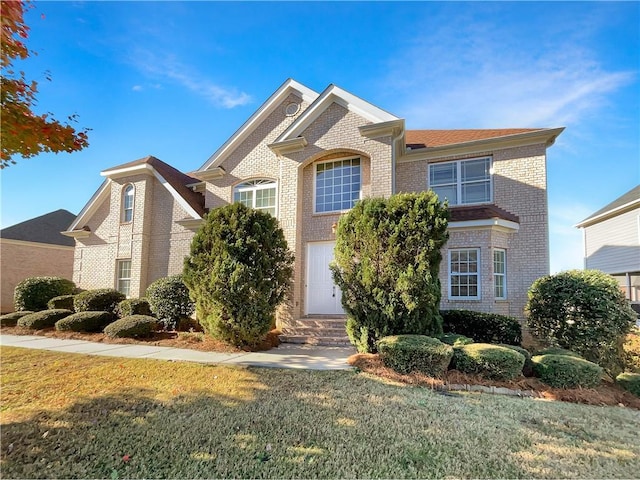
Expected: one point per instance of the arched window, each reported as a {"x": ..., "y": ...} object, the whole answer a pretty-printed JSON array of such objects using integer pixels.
[
  {"x": 258, "y": 194},
  {"x": 127, "y": 203}
]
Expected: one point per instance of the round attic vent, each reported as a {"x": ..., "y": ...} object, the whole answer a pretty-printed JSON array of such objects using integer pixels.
[{"x": 291, "y": 109}]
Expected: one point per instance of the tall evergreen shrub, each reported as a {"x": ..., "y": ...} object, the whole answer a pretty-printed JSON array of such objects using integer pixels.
[{"x": 387, "y": 259}]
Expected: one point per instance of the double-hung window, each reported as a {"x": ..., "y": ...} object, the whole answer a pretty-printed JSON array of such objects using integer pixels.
[
  {"x": 127, "y": 203},
  {"x": 500, "y": 274},
  {"x": 258, "y": 194},
  {"x": 337, "y": 185},
  {"x": 462, "y": 182},
  {"x": 123, "y": 280},
  {"x": 464, "y": 274}
]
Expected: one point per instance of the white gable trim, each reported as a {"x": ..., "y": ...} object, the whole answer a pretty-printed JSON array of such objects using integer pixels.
[
  {"x": 288, "y": 87},
  {"x": 334, "y": 94},
  {"x": 91, "y": 206},
  {"x": 179, "y": 198}
]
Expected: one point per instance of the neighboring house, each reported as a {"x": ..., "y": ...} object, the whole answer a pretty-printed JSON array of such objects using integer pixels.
[
  {"x": 34, "y": 248},
  {"x": 306, "y": 158},
  {"x": 612, "y": 241}
]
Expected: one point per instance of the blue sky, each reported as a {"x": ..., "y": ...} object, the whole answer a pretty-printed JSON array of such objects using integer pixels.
[{"x": 176, "y": 79}]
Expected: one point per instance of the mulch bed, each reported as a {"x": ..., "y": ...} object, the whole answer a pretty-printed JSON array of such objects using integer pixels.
[{"x": 607, "y": 393}]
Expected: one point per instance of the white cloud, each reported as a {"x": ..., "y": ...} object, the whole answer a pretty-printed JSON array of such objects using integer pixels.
[{"x": 137, "y": 88}]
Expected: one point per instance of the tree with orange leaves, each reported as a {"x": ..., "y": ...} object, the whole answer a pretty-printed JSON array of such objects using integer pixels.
[{"x": 24, "y": 132}]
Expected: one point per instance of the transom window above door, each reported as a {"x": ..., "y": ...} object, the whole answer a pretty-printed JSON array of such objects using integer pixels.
[
  {"x": 259, "y": 194},
  {"x": 337, "y": 185},
  {"x": 462, "y": 182}
]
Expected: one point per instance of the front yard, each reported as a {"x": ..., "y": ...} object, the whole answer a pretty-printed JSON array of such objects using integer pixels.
[{"x": 66, "y": 415}]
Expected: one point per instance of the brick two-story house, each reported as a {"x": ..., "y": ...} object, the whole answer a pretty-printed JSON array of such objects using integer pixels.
[{"x": 306, "y": 158}]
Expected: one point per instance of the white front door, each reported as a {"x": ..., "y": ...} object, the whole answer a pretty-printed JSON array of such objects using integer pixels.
[{"x": 323, "y": 296}]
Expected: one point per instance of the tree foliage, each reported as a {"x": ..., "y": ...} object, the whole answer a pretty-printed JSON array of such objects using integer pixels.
[
  {"x": 24, "y": 132},
  {"x": 238, "y": 272},
  {"x": 169, "y": 300},
  {"x": 387, "y": 259},
  {"x": 584, "y": 311}
]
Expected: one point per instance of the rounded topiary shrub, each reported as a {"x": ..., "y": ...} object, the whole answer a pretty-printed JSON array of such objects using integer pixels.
[
  {"x": 99, "y": 300},
  {"x": 563, "y": 371},
  {"x": 584, "y": 311},
  {"x": 11, "y": 319},
  {"x": 169, "y": 300},
  {"x": 132, "y": 326},
  {"x": 61, "y": 301},
  {"x": 133, "y": 306},
  {"x": 34, "y": 293},
  {"x": 483, "y": 327},
  {"x": 490, "y": 361},
  {"x": 629, "y": 381},
  {"x": 455, "y": 339},
  {"x": 527, "y": 369},
  {"x": 409, "y": 353},
  {"x": 85, "y": 322},
  {"x": 43, "y": 319}
]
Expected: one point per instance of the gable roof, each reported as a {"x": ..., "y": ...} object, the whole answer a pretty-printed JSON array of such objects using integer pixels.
[
  {"x": 629, "y": 199},
  {"x": 439, "y": 138},
  {"x": 43, "y": 229},
  {"x": 288, "y": 87}
]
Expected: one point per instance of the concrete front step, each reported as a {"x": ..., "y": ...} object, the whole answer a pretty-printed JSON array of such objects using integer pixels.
[
  {"x": 315, "y": 331},
  {"x": 315, "y": 340},
  {"x": 317, "y": 323}
]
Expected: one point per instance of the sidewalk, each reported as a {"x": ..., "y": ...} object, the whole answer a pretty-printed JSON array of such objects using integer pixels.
[{"x": 309, "y": 357}]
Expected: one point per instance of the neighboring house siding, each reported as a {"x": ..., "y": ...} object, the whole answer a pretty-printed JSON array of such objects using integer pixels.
[
  {"x": 613, "y": 245},
  {"x": 20, "y": 260}
]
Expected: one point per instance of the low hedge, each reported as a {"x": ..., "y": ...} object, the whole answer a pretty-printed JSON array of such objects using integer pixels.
[
  {"x": 33, "y": 293},
  {"x": 527, "y": 369},
  {"x": 629, "y": 381},
  {"x": 61, "y": 301},
  {"x": 490, "y": 361},
  {"x": 455, "y": 339},
  {"x": 408, "y": 353},
  {"x": 133, "y": 306},
  {"x": 11, "y": 319},
  {"x": 483, "y": 327},
  {"x": 99, "y": 300},
  {"x": 43, "y": 319},
  {"x": 132, "y": 326},
  {"x": 85, "y": 322},
  {"x": 564, "y": 371}
]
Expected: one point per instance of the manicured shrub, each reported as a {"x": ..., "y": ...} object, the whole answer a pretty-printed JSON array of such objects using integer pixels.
[
  {"x": 85, "y": 322},
  {"x": 132, "y": 326},
  {"x": 33, "y": 293},
  {"x": 455, "y": 339},
  {"x": 631, "y": 348},
  {"x": 387, "y": 259},
  {"x": 169, "y": 300},
  {"x": 483, "y": 327},
  {"x": 527, "y": 369},
  {"x": 133, "y": 306},
  {"x": 584, "y": 311},
  {"x": 11, "y": 319},
  {"x": 558, "y": 351},
  {"x": 629, "y": 381},
  {"x": 61, "y": 301},
  {"x": 490, "y": 361},
  {"x": 43, "y": 319},
  {"x": 100, "y": 300},
  {"x": 239, "y": 271},
  {"x": 563, "y": 371},
  {"x": 419, "y": 353}
]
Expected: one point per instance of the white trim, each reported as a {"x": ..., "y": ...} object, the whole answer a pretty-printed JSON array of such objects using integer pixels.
[
  {"x": 91, "y": 206},
  {"x": 192, "y": 224},
  {"x": 478, "y": 273},
  {"x": 497, "y": 223},
  {"x": 334, "y": 94},
  {"x": 179, "y": 198},
  {"x": 125, "y": 172},
  {"x": 53, "y": 246},
  {"x": 118, "y": 279},
  {"x": 315, "y": 175},
  {"x": 503, "y": 275},
  {"x": 459, "y": 182},
  {"x": 308, "y": 272},
  {"x": 253, "y": 188},
  {"x": 123, "y": 210},
  {"x": 288, "y": 87},
  {"x": 614, "y": 212}
]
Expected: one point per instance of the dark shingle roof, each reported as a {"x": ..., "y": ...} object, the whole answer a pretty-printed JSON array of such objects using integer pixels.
[
  {"x": 43, "y": 229},
  {"x": 632, "y": 195},
  {"x": 440, "y": 138},
  {"x": 480, "y": 212}
]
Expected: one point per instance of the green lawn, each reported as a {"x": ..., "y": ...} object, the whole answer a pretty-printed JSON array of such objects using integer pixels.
[{"x": 76, "y": 416}]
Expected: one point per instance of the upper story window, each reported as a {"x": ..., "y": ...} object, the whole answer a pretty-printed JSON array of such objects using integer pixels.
[
  {"x": 258, "y": 194},
  {"x": 462, "y": 182},
  {"x": 337, "y": 185},
  {"x": 127, "y": 203}
]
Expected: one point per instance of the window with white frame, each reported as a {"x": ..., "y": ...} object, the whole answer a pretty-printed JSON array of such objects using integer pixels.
[
  {"x": 123, "y": 281},
  {"x": 500, "y": 274},
  {"x": 127, "y": 203},
  {"x": 464, "y": 274},
  {"x": 337, "y": 185},
  {"x": 258, "y": 194},
  {"x": 462, "y": 182}
]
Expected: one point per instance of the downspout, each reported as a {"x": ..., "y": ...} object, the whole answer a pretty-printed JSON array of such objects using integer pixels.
[{"x": 393, "y": 160}]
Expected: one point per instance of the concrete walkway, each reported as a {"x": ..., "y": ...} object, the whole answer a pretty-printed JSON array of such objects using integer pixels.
[{"x": 310, "y": 357}]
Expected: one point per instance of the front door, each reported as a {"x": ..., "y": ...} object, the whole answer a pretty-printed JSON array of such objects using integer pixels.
[{"x": 323, "y": 296}]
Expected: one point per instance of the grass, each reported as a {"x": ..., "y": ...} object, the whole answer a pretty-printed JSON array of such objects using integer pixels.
[{"x": 75, "y": 416}]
